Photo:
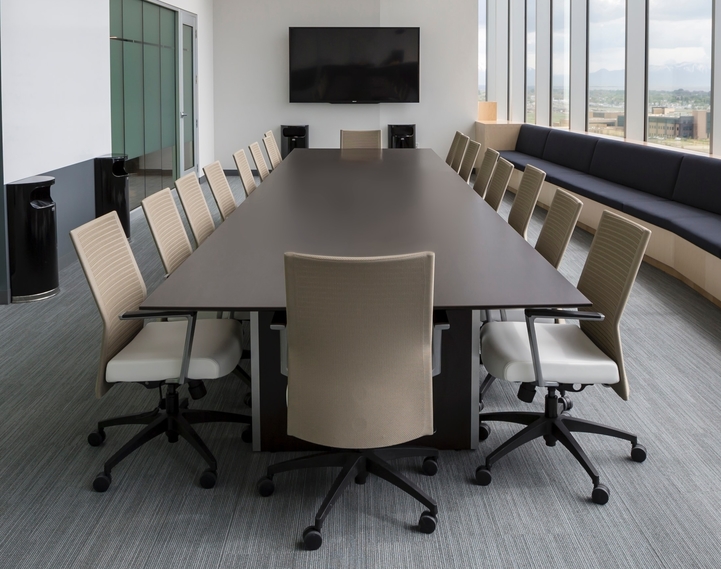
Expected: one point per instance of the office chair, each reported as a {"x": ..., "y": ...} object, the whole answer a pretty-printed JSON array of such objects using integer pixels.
[
  {"x": 552, "y": 243},
  {"x": 360, "y": 139},
  {"x": 565, "y": 358},
  {"x": 469, "y": 160},
  {"x": 244, "y": 171},
  {"x": 167, "y": 229},
  {"x": 271, "y": 147},
  {"x": 173, "y": 244},
  {"x": 360, "y": 349},
  {"x": 260, "y": 164},
  {"x": 452, "y": 150},
  {"x": 488, "y": 164},
  {"x": 220, "y": 189},
  {"x": 159, "y": 355},
  {"x": 499, "y": 183},
  {"x": 460, "y": 152},
  {"x": 196, "y": 209},
  {"x": 525, "y": 201}
]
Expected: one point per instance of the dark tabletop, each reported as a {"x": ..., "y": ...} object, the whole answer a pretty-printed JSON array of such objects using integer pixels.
[{"x": 365, "y": 203}]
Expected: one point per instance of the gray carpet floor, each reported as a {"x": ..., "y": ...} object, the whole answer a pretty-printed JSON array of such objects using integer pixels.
[{"x": 537, "y": 512}]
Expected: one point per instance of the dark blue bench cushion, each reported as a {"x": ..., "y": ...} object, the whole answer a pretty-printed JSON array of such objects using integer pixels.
[
  {"x": 651, "y": 170},
  {"x": 699, "y": 183},
  {"x": 701, "y": 228},
  {"x": 602, "y": 191},
  {"x": 532, "y": 139},
  {"x": 570, "y": 149}
]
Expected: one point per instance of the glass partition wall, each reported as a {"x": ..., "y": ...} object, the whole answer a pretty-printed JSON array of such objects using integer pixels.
[
  {"x": 607, "y": 67},
  {"x": 679, "y": 73},
  {"x": 560, "y": 62},
  {"x": 144, "y": 93}
]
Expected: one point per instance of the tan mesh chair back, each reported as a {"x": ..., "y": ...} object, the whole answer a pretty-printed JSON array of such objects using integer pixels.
[
  {"x": 526, "y": 197},
  {"x": 115, "y": 281},
  {"x": 359, "y": 349},
  {"x": 460, "y": 151},
  {"x": 244, "y": 171},
  {"x": 167, "y": 229},
  {"x": 220, "y": 189},
  {"x": 196, "y": 209},
  {"x": 260, "y": 164},
  {"x": 272, "y": 149},
  {"x": 499, "y": 183},
  {"x": 452, "y": 150},
  {"x": 490, "y": 157},
  {"x": 469, "y": 160},
  {"x": 558, "y": 228},
  {"x": 360, "y": 139},
  {"x": 607, "y": 277}
]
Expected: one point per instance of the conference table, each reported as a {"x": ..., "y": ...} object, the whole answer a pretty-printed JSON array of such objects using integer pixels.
[{"x": 367, "y": 203}]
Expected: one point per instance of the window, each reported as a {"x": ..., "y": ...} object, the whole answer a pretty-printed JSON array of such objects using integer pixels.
[
  {"x": 560, "y": 62},
  {"x": 607, "y": 67},
  {"x": 482, "y": 50},
  {"x": 531, "y": 61},
  {"x": 679, "y": 73}
]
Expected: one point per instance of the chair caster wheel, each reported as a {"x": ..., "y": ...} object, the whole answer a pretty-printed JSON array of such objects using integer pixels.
[
  {"x": 96, "y": 438},
  {"x": 430, "y": 466},
  {"x": 248, "y": 400},
  {"x": 361, "y": 478},
  {"x": 600, "y": 494},
  {"x": 247, "y": 436},
  {"x": 427, "y": 523},
  {"x": 102, "y": 482},
  {"x": 266, "y": 487},
  {"x": 484, "y": 431},
  {"x": 638, "y": 453},
  {"x": 208, "y": 478},
  {"x": 483, "y": 476},
  {"x": 312, "y": 539}
]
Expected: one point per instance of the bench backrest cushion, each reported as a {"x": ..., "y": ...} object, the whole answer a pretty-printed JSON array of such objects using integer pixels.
[
  {"x": 532, "y": 139},
  {"x": 570, "y": 149},
  {"x": 650, "y": 170},
  {"x": 699, "y": 183}
]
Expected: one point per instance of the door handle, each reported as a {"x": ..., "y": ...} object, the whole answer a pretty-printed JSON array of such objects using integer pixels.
[{"x": 183, "y": 115}]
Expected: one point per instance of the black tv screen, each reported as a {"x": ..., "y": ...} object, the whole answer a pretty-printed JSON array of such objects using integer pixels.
[{"x": 354, "y": 65}]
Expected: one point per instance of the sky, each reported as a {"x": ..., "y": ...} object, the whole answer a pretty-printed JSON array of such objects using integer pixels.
[{"x": 679, "y": 32}]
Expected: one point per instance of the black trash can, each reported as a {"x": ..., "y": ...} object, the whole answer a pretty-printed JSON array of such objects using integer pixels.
[
  {"x": 292, "y": 137},
  {"x": 401, "y": 136},
  {"x": 32, "y": 239},
  {"x": 111, "y": 188}
]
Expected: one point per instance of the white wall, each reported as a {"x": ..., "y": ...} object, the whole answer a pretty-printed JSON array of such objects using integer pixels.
[
  {"x": 55, "y": 84},
  {"x": 251, "y": 71}
]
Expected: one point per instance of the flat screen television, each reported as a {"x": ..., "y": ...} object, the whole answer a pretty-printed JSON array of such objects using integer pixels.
[{"x": 354, "y": 65}]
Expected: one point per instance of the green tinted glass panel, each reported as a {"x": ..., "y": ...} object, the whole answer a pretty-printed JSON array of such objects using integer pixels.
[
  {"x": 117, "y": 115},
  {"x": 133, "y": 94},
  {"x": 167, "y": 28},
  {"x": 188, "y": 102},
  {"x": 116, "y": 18},
  {"x": 133, "y": 20},
  {"x": 168, "y": 90},
  {"x": 151, "y": 23},
  {"x": 151, "y": 97}
]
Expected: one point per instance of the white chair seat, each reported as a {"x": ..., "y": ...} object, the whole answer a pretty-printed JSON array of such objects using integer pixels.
[
  {"x": 155, "y": 354},
  {"x": 567, "y": 354}
]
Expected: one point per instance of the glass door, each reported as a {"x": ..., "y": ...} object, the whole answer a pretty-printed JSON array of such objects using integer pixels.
[{"x": 188, "y": 91}]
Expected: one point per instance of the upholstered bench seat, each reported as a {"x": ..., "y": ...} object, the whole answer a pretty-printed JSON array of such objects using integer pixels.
[{"x": 675, "y": 191}]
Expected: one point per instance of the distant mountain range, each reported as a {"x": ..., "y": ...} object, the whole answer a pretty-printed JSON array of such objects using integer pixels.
[{"x": 688, "y": 76}]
